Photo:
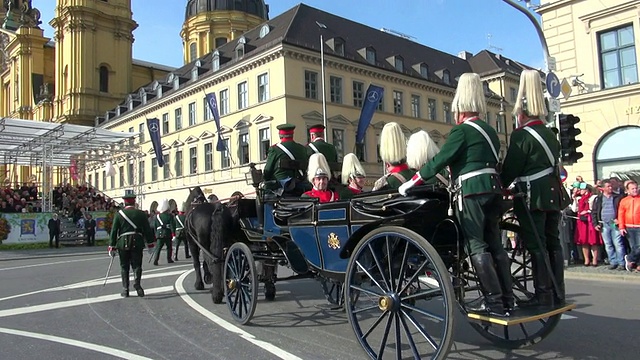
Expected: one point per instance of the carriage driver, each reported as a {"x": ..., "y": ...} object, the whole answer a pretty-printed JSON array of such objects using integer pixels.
[
  {"x": 129, "y": 232},
  {"x": 181, "y": 234},
  {"x": 293, "y": 181},
  {"x": 319, "y": 145},
  {"x": 532, "y": 162},
  {"x": 318, "y": 174},
  {"x": 471, "y": 152},
  {"x": 165, "y": 225},
  {"x": 353, "y": 176},
  {"x": 393, "y": 151}
]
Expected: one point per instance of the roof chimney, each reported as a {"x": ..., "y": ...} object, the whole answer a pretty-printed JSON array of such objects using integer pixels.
[{"x": 465, "y": 55}]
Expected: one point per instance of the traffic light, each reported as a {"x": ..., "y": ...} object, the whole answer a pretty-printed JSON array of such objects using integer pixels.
[{"x": 568, "y": 142}]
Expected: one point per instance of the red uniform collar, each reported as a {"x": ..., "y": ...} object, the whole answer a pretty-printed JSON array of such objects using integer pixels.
[
  {"x": 318, "y": 139},
  {"x": 130, "y": 207},
  {"x": 324, "y": 196},
  {"x": 471, "y": 118},
  {"x": 356, "y": 190},
  {"x": 286, "y": 139},
  {"x": 532, "y": 122},
  {"x": 398, "y": 168}
]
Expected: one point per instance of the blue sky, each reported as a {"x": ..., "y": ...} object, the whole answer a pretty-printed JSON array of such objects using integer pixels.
[{"x": 447, "y": 25}]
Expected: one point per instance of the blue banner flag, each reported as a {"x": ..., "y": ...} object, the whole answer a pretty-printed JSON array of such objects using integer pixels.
[
  {"x": 154, "y": 134},
  {"x": 213, "y": 105},
  {"x": 371, "y": 101}
]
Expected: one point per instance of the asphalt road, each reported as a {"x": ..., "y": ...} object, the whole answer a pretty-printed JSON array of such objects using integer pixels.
[{"x": 57, "y": 308}]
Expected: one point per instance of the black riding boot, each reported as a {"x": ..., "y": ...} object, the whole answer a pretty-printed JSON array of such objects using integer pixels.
[
  {"x": 125, "y": 283},
  {"x": 170, "y": 251},
  {"x": 503, "y": 268},
  {"x": 557, "y": 267},
  {"x": 490, "y": 286},
  {"x": 175, "y": 256},
  {"x": 137, "y": 276},
  {"x": 541, "y": 282}
]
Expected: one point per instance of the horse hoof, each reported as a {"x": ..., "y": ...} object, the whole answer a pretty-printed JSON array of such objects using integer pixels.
[
  {"x": 199, "y": 286},
  {"x": 270, "y": 292},
  {"x": 217, "y": 299},
  {"x": 208, "y": 279}
]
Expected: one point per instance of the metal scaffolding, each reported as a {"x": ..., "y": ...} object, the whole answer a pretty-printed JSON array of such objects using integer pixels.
[{"x": 47, "y": 146}]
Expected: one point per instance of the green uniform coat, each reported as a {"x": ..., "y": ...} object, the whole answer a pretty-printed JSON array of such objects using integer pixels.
[
  {"x": 328, "y": 150},
  {"x": 169, "y": 228},
  {"x": 121, "y": 226},
  {"x": 394, "y": 183},
  {"x": 272, "y": 170}
]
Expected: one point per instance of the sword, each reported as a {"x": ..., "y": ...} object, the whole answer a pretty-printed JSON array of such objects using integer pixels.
[{"x": 108, "y": 271}]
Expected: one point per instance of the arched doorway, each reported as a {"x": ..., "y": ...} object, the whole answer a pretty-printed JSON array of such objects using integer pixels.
[
  {"x": 616, "y": 154},
  {"x": 153, "y": 207}
]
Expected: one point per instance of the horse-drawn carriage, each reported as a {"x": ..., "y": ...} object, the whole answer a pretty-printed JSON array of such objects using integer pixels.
[{"x": 396, "y": 264}]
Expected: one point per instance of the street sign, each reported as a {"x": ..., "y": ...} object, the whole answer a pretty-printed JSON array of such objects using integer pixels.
[
  {"x": 551, "y": 63},
  {"x": 554, "y": 105},
  {"x": 565, "y": 87},
  {"x": 553, "y": 85}
]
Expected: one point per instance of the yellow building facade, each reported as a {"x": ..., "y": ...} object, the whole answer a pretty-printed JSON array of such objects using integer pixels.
[
  {"x": 272, "y": 74},
  {"x": 86, "y": 69},
  {"x": 596, "y": 49}
]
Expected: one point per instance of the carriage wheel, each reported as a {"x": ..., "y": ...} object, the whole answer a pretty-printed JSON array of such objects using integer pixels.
[
  {"x": 524, "y": 334},
  {"x": 333, "y": 291},
  {"x": 241, "y": 282},
  {"x": 400, "y": 296}
]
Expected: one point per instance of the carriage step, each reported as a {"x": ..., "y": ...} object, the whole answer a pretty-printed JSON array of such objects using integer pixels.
[{"x": 519, "y": 316}]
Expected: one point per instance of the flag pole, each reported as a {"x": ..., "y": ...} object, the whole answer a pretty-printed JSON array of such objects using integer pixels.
[{"x": 220, "y": 138}]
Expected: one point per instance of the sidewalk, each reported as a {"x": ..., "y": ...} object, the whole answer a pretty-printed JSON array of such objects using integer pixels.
[
  {"x": 52, "y": 253},
  {"x": 602, "y": 272}
]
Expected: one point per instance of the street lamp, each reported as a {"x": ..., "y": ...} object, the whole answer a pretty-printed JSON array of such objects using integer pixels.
[
  {"x": 536, "y": 24},
  {"x": 324, "y": 99}
]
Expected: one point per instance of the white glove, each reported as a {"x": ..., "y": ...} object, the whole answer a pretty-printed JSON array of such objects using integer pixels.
[
  {"x": 174, "y": 239},
  {"x": 415, "y": 180}
]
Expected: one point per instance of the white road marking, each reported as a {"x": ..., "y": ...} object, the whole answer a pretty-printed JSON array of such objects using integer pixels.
[
  {"x": 76, "y": 343},
  {"x": 51, "y": 263},
  {"x": 282, "y": 354},
  {"x": 567, "y": 317},
  {"x": 79, "y": 302},
  {"x": 96, "y": 282}
]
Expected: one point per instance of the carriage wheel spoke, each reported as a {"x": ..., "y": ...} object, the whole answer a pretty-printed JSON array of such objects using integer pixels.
[
  {"x": 433, "y": 317},
  {"x": 396, "y": 319},
  {"x": 543, "y": 321},
  {"x": 369, "y": 275},
  {"x": 403, "y": 266},
  {"x": 420, "y": 329},
  {"x": 380, "y": 268},
  {"x": 524, "y": 330},
  {"x": 374, "y": 325},
  {"x": 366, "y": 291},
  {"x": 412, "y": 343},
  {"x": 431, "y": 293},
  {"x": 383, "y": 341},
  {"x": 372, "y": 307},
  {"x": 413, "y": 278},
  {"x": 506, "y": 332}
]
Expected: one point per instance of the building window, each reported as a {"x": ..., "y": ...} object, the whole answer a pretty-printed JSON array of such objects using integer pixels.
[
  {"x": 381, "y": 103},
  {"x": 446, "y": 77},
  {"x": 131, "y": 138},
  {"x": 166, "y": 169},
  {"x": 397, "y": 102},
  {"x": 208, "y": 157},
  {"x": 310, "y": 85},
  {"x": 178, "y": 119},
  {"x": 618, "y": 61},
  {"x": 154, "y": 169},
  {"x": 141, "y": 131},
  {"x": 338, "y": 142},
  {"x": 165, "y": 124},
  {"x": 263, "y": 87},
  {"x": 192, "y": 114},
  {"x": 431, "y": 110},
  {"x": 225, "y": 155},
  {"x": 424, "y": 71},
  {"x": 358, "y": 94},
  {"x": 415, "y": 106},
  {"x": 335, "y": 84},
  {"x": 265, "y": 142},
  {"x": 513, "y": 95},
  {"x": 371, "y": 56},
  {"x": 141, "y": 172},
  {"x": 193, "y": 51},
  {"x": 220, "y": 41},
  {"x": 215, "y": 63},
  {"x": 179, "y": 163},
  {"x": 131, "y": 172},
  {"x": 89, "y": 180},
  {"x": 399, "y": 63},
  {"x": 243, "y": 95},
  {"x": 104, "y": 79},
  {"x": 121, "y": 176},
  {"x": 244, "y": 148},
  {"x": 446, "y": 107},
  {"x": 104, "y": 180},
  {"x": 206, "y": 110},
  {"x": 223, "y": 107},
  {"x": 193, "y": 160},
  {"x": 113, "y": 181}
]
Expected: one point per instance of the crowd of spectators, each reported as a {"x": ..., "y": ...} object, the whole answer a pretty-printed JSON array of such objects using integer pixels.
[{"x": 20, "y": 199}]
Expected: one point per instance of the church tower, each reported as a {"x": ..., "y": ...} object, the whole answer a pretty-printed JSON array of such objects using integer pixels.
[
  {"x": 209, "y": 24},
  {"x": 93, "y": 57}
]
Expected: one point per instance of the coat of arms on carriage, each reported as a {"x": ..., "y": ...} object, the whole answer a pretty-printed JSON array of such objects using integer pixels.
[{"x": 333, "y": 241}]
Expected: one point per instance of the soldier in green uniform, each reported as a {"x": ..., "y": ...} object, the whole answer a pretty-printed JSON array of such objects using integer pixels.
[
  {"x": 181, "y": 233},
  {"x": 287, "y": 148},
  {"x": 471, "y": 152},
  {"x": 319, "y": 145},
  {"x": 420, "y": 149},
  {"x": 532, "y": 163},
  {"x": 165, "y": 225},
  {"x": 129, "y": 233},
  {"x": 393, "y": 151}
]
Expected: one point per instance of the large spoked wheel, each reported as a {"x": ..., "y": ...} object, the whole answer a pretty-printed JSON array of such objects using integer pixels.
[
  {"x": 241, "y": 282},
  {"x": 524, "y": 334},
  {"x": 333, "y": 291},
  {"x": 400, "y": 296}
]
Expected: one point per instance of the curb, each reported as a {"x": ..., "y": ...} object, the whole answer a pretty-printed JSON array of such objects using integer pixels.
[
  {"x": 45, "y": 256},
  {"x": 624, "y": 277}
]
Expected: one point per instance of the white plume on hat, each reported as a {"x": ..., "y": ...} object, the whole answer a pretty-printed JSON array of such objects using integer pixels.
[
  {"x": 351, "y": 167},
  {"x": 393, "y": 144},
  {"x": 109, "y": 169},
  {"x": 469, "y": 95},
  {"x": 420, "y": 149},
  {"x": 163, "y": 206},
  {"x": 531, "y": 89},
  {"x": 318, "y": 166}
]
